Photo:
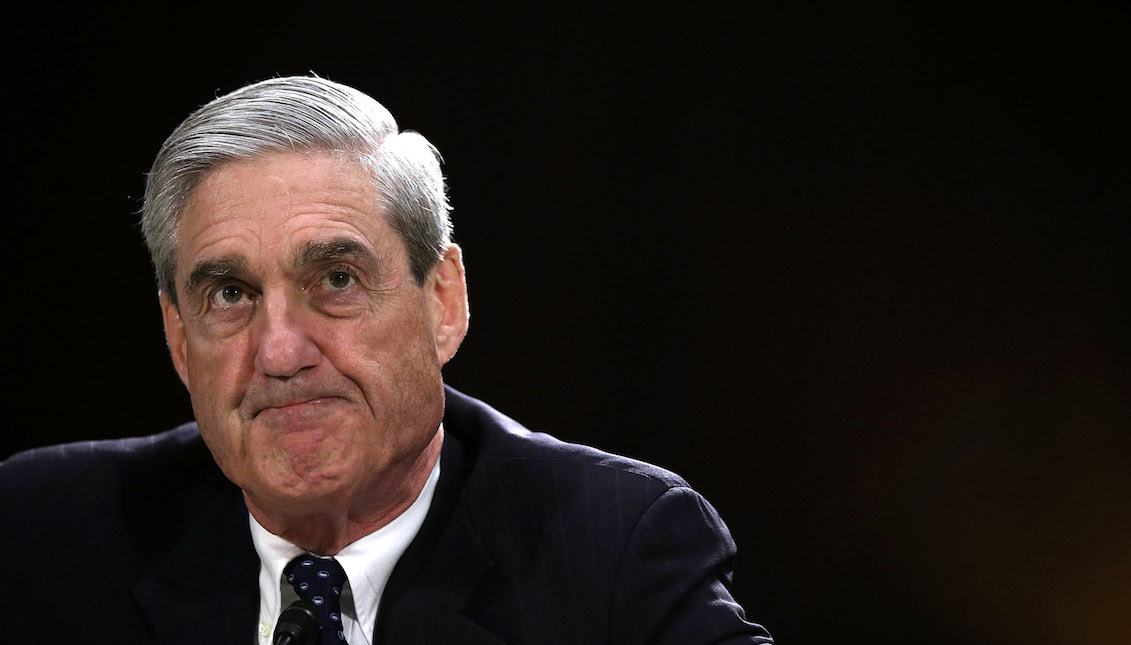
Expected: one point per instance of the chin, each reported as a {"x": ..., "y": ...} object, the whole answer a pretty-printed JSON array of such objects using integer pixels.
[
  {"x": 313, "y": 471},
  {"x": 300, "y": 497}
]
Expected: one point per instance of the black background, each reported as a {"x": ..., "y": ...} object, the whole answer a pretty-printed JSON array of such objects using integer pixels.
[{"x": 855, "y": 272}]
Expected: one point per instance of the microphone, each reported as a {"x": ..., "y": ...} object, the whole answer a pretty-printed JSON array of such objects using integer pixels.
[{"x": 298, "y": 625}]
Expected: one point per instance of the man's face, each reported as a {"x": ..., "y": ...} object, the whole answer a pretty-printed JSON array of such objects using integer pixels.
[{"x": 311, "y": 356}]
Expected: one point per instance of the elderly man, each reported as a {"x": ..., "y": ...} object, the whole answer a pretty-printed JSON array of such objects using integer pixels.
[{"x": 311, "y": 295}]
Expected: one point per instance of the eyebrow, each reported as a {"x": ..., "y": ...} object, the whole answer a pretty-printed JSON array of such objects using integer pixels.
[
  {"x": 315, "y": 253},
  {"x": 211, "y": 269}
]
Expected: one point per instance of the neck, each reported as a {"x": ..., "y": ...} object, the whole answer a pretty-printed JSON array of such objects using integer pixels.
[{"x": 329, "y": 531}]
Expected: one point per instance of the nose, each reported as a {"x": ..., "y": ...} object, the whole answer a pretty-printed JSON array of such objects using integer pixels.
[{"x": 284, "y": 343}]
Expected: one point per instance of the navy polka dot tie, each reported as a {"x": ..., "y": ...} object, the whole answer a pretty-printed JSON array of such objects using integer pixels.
[{"x": 320, "y": 581}]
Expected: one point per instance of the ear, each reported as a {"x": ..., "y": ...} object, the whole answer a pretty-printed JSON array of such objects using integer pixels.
[
  {"x": 446, "y": 297},
  {"x": 175, "y": 336}
]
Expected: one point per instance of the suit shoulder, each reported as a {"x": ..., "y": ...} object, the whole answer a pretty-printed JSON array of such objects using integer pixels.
[
  {"x": 140, "y": 487},
  {"x": 501, "y": 442},
  {"x": 175, "y": 465},
  {"x": 587, "y": 546},
  {"x": 90, "y": 457}
]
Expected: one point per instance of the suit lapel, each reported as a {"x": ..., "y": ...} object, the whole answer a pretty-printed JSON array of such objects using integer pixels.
[
  {"x": 432, "y": 608},
  {"x": 206, "y": 590},
  {"x": 432, "y": 583}
]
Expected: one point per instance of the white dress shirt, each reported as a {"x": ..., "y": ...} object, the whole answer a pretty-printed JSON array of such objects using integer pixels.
[{"x": 368, "y": 563}]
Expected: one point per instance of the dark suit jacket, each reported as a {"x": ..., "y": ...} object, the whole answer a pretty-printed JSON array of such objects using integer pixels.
[{"x": 528, "y": 540}]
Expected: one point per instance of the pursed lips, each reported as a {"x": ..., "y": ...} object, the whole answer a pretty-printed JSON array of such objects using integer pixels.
[{"x": 295, "y": 404}]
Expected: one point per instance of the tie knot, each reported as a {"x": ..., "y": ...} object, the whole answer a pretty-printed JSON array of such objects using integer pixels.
[
  {"x": 320, "y": 581},
  {"x": 307, "y": 573}
]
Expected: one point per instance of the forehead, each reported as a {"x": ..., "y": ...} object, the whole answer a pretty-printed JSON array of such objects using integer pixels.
[{"x": 279, "y": 202}]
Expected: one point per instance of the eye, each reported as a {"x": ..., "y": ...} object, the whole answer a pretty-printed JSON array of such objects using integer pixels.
[
  {"x": 228, "y": 295},
  {"x": 338, "y": 281}
]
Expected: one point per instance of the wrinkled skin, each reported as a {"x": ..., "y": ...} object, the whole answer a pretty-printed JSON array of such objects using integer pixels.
[{"x": 311, "y": 356}]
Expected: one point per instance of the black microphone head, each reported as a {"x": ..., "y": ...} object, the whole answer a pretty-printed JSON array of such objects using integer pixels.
[{"x": 297, "y": 625}]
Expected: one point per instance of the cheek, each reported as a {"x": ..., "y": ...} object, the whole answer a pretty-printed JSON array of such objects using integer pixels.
[
  {"x": 395, "y": 366},
  {"x": 415, "y": 384},
  {"x": 217, "y": 376},
  {"x": 215, "y": 393}
]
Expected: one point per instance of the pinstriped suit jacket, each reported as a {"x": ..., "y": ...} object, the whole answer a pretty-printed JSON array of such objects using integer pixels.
[{"x": 528, "y": 540}]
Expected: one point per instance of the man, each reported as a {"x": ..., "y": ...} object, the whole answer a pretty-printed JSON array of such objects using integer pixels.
[{"x": 311, "y": 295}]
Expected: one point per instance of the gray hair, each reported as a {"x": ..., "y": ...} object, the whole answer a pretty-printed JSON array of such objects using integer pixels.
[{"x": 299, "y": 114}]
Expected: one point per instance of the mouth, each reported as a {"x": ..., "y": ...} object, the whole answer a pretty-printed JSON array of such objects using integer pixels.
[{"x": 304, "y": 407}]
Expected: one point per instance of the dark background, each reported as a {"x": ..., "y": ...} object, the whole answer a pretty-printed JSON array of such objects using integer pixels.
[{"x": 857, "y": 273}]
